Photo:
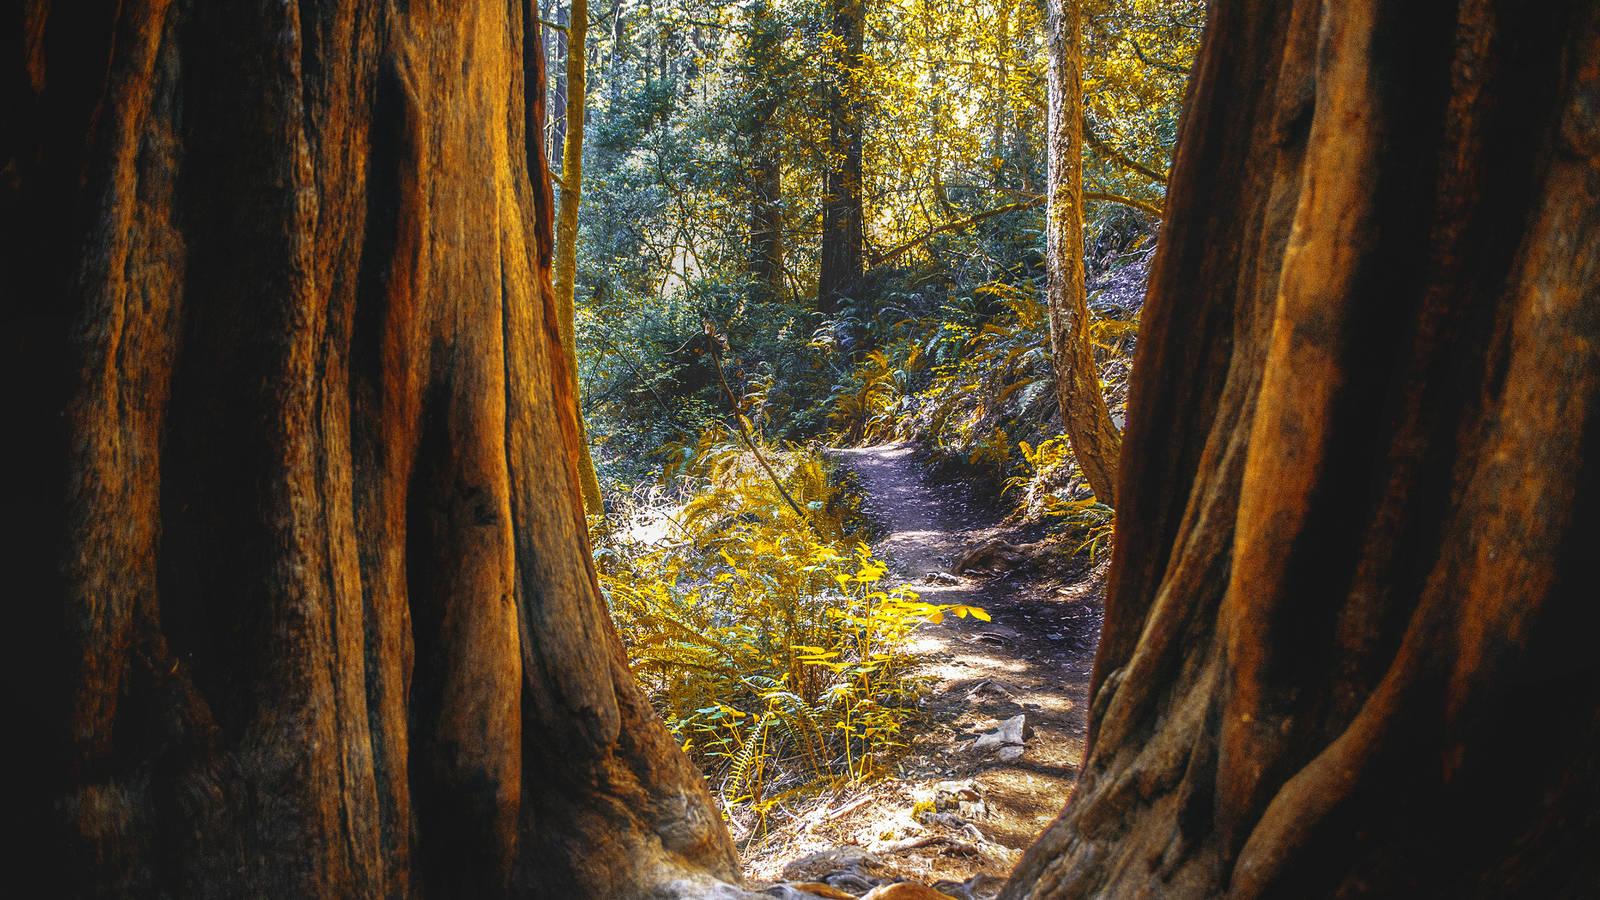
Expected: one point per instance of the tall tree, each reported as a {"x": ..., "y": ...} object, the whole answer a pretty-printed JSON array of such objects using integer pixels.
[
  {"x": 310, "y": 603},
  {"x": 566, "y": 252},
  {"x": 1001, "y": 108},
  {"x": 766, "y": 170},
  {"x": 1348, "y": 634},
  {"x": 1095, "y": 440},
  {"x": 843, "y": 222}
]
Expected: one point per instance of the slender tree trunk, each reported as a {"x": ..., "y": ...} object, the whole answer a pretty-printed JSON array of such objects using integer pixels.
[
  {"x": 1095, "y": 441},
  {"x": 843, "y": 232},
  {"x": 1022, "y": 131},
  {"x": 1349, "y": 634},
  {"x": 766, "y": 215},
  {"x": 1002, "y": 90},
  {"x": 308, "y": 598},
  {"x": 566, "y": 253},
  {"x": 559, "y": 114},
  {"x": 619, "y": 54},
  {"x": 766, "y": 201}
]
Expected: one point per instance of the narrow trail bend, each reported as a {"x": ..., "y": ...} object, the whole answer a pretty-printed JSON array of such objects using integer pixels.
[{"x": 1032, "y": 659}]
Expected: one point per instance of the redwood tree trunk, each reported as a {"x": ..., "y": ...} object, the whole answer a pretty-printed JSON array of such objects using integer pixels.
[
  {"x": 843, "y": 229},
  {"x": 309, "y": 605},
  {"x": 1348, "y": 642},
  {"x": 1095, "y": 439}
]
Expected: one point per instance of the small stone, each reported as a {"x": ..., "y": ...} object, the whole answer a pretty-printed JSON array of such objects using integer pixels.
[
  {"x": 1009, "y": 732},
  {"x": 995, "y": 688},
  {"x": 821, "y": 863}
]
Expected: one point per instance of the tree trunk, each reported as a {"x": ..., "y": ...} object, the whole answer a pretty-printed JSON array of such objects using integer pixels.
[
  {"x": 766, "y": 175},
  {"x": 309, "y": 606},
  {"x": 842, "y": 219},
  {"x": 566, "y": 253},
  {"x": 1022, "y": 131},
  {"x": 1002, "y": 94},
  {"x": 619, "y": 55},
  {"x": 1095, "y": 441},
  {"x": 1348, "y": 642},
  {"x": 559, "y": 114},
  {"x": 766, "y": 216}
]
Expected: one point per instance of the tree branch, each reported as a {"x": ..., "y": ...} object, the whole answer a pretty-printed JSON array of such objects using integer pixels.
[
  {"x": 744, "y": 430},
  {"x": 1118, "y": 157},
  {"x": 958, "y": 225},
  {"x": 1155, "y": 63},
  {"x": 1143, "y": 206}
]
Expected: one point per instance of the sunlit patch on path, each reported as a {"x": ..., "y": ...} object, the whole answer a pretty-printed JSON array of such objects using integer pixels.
[{"x": 960, "y": 807}]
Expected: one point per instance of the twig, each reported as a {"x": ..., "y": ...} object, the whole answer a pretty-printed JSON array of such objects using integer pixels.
[
  {"x": 744, "y": 430},
  {"x": 1155, "y": 63},
  {"x": 1143, "y": 206},
  {"x": 1118, "y": 157}
]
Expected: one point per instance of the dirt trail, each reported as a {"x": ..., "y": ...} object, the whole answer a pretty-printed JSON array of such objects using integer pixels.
[{"x": 1033, "y": 658}]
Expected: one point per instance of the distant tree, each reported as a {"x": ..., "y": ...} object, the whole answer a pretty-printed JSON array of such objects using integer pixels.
[
  {"x": 843, "y": 221},
  {"x": 1348, "y": 644},
  {"x": 1095, "y": 440},
  {"x": 310, "y": 605},
  {"x": 766, "y": 169}
]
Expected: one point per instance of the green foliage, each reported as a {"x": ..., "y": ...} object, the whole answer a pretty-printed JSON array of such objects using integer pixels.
[
  {"x": 768, "y": 640},
  {"x": 971, "y": 376},
  {"x": 683, "y": 92},
  {"x": 772, "y": 647}
]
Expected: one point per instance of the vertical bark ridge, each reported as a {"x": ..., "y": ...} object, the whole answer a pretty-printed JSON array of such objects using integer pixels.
[
  {"x": 317, "y": 548},
  {"x": 1338, "y": 653}
]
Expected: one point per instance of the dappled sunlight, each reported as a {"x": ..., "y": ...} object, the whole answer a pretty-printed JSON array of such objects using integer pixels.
[{"x": 740, "y": 449}]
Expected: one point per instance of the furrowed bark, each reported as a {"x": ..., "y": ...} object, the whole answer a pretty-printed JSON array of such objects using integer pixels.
[
  {"x": 1346, "y": 645},
  {"x": 307, "y": 572}
]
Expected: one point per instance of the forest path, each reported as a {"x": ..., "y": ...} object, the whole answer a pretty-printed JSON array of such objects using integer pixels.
[{"x": 1032, "y": 659}]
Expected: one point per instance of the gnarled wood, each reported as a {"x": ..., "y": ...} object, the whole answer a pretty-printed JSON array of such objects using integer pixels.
[
  {"x": 308, "y": 573},
  {"x": 1347, "y": 642}
]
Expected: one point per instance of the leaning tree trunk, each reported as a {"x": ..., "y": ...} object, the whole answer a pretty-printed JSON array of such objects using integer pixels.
[
  {"x": 843, "y": 220},
  {"x": 304, "y": 575},
  {"x": 565, "y": 268},
  {"x": 1349, "y": 634},
  {"x": 1095, "y": 440}
]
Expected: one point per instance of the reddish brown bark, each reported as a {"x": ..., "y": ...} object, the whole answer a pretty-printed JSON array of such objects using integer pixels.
[
  {"x": 308, "y": 587},
  {"x": 1348, "y": 635}
]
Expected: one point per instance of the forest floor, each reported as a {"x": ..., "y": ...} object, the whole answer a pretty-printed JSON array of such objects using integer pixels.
[{"x": 959, "y": 810}]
